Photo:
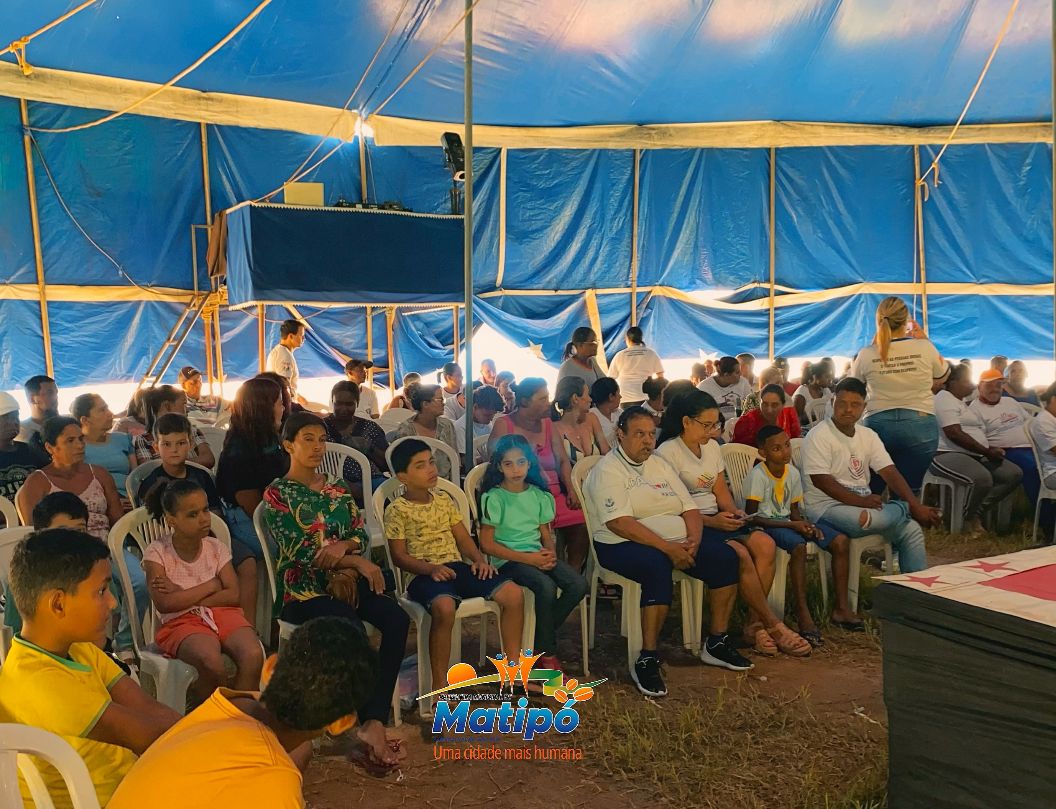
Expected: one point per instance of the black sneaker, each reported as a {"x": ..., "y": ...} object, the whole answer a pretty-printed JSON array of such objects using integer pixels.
[
  {"x": 721, "y": 653},
  {"x": 647, "y": 677}
]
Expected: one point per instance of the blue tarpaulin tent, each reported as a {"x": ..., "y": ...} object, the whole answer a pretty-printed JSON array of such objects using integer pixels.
[{"x": 734, "y": 175}]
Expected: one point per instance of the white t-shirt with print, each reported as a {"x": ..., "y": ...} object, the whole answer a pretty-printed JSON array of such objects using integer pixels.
[
  {"x": 608, "y": 425},
  {"x": 729, "y": 399},
  {"x": 1005, "y": 423},
  {"x": 1043, "y": 430},
  {"x": 698, "y": 475},
  {"x": 950, "y": 410},
  {"x": 631, "y": 367},
  {"x": 848, "y": 458},
  {"x": 281, "y": 362},
  {"x": 905, "y": 380},
  {"x": 452, "y": 409},
  {"x": 650, "y": 492},
  {"x": 368, "y": 403}
]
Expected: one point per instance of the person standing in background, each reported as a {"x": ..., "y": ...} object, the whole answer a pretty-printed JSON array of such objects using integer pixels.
[
  {"x": 579, "y": 357},
  {"x": 281, "y": 360},
  {"x": 633, "y": 365},
  {"x": 899, "y": 370}
]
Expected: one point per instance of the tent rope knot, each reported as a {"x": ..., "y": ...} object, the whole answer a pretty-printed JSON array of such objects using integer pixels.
[{"x": 18, "y": 48}]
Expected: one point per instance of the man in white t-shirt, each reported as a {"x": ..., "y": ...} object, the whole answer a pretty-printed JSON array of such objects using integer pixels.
[
  {"x": 281, "y": 361},
  {"x": 727, "y": 387},
  {"x": 1005, "y": 422},
  {"x": 356, "y": 371},
  {"x": 632, "y": 366},
  {"x": 1043, "y": 431},
  {"x": 838, "y": 455}
]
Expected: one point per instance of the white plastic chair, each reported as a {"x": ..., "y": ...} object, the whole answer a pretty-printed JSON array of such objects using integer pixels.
[
  {"x": 17, "y": 744},
  {"x": 467, "y": 608},
  {"x": 334, "y": 464},
  {"x": 391, "y": 419},
  {"x": 171, "y": 677},
  {"x": 738, "y": 460},
  {"x": 471, "y": 488},
  {"x": 286, "y": 629},
  {"x": 954, "y": 505},
  {"x": 480, "y": 449},
  {"x": 1032, "y": 410},
  {"x": 142, "y": 472},
  {"x": 1044, "y": 493},
  {"x": 9, "y": 512},
  {"x": 691, "y": 589},
  {"x": 9, "y": 538},
  {"x": 435, "y": 445},
  {"x": 797, "y": 454},
  {"x": 727, "y": 430}
]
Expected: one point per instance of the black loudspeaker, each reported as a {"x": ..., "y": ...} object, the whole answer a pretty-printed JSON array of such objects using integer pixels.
[{"x": 454, "y": 155}]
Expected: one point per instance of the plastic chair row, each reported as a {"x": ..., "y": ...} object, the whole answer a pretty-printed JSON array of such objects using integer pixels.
[{"x": 17, "y": 744}]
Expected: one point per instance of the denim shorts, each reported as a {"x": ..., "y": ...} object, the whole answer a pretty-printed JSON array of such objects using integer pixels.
[
  {"x": 465, "y": 585},
  {"x": 244, "y": 541},
  {"x": 788, "y": 539}
]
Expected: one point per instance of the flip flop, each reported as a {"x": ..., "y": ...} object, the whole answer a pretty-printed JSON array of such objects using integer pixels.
[
  {"x": 850, "y": 626},
  {"x": 813, "y": 637}
]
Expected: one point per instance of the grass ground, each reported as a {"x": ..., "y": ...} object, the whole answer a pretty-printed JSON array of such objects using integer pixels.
[{"x": 790, "y": 734}]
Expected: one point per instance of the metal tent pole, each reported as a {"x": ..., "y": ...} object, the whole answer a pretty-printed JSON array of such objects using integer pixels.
[
  {"x": 467, "y": 143},
  {"x": 772, "y": 220},
  {"x": 261, "y": 362}
]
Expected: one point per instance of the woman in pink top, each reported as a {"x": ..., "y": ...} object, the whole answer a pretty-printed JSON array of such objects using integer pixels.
[{"x": 531, "y": 418}]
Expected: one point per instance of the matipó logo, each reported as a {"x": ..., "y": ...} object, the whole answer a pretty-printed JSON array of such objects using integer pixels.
[{"x": 520, "y": 720}]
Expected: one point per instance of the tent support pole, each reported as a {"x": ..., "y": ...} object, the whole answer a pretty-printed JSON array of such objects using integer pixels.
[
  {"x": 773, "y": 239},
  {"x": 456, "y": 339},
  {"x": 207, "y": 320},
  {"x": 390, "y": 322},
  {"x": 467, "y": 247},
  {"x": 260, "y": 338},
  {"x": 634, "y": 240},
  {"x": 207, "y": 199},
  {"x": 918, "y": 215},
  {"x": 38, "y": 253},
  {"x": 362, "y": 166},
  {"x": 370, "y": 345},
  {"x": 1053, "y": 155}
]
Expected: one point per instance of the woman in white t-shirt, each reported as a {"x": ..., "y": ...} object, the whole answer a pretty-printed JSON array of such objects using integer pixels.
[
  {"x": 645, "y": 525},
  {"x": 965, "y": 456},
  {"x": 635, "y": 364},
  {"x": 899, "y": 371},
  {"x": 687, "y": 435},
  {"x": 813, "y": 396},
  {"x": 606, "y": 397}
]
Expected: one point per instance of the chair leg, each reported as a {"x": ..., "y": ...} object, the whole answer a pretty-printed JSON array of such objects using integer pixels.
[
  {"x": 584, "y": 637},
  {"x": 593, "y": 607},
  {"x": 425, "y": 675},
  {"x": 957, "y": 498},
  {"x": 854, "y": 572},
  {"x": 631, "y": 600},
  {"x": 528, "y": 635},
  {"x": 688, "y": 603},
  {"x": 776, "y": 599},
  {"x": 823, "y": 575}
]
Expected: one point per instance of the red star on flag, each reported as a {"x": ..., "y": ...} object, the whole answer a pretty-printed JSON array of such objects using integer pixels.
[
  {"x": 927, "y": 581},
  {"x": 990, "y": 567}
]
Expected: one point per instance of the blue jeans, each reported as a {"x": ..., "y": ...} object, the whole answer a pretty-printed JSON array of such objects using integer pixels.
[
  {"x": 911, "y": 439},
  {"x": 244, "y": 540},
  {"x": 551, "y": 609},
  {"x": 893, "y": 523}
]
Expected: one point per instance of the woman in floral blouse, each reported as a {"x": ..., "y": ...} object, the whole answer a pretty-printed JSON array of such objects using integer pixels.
[{"x": 322, "y": 569}]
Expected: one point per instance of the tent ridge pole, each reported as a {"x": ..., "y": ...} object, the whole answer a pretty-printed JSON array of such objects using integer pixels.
[
  {"x": 634, "y": 239},
  {"x": 773, "y": 238},
  {"x": 468, "y": 227},
  {"x": 38, "y": 252}
]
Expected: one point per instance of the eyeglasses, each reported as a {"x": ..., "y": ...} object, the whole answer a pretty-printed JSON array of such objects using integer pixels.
[{"x": 707, "y": 425}]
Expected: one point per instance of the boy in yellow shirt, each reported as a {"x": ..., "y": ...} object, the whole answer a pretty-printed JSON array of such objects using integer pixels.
[
  {"x": 238, "y": 749},
  {"x": 57, "y": 678}
]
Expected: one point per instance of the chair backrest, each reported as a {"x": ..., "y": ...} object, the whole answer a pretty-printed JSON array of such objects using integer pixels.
[
  {"x": 579, "y": 478},
  {"x": 334, "y": 462},
  {"x": 1032, "y": 409},
  {"x": 480, "y": 449},
  {"x": 136, "y": 477},
  {"x": 9, "y": 538},
  {"x": 471, "y": 486},
  {"x": 17, "y": 743},
  {"x": 262, "y": 536},
  {"x": 9, "y": 512},
  {"x": 797, "y": 454},
  {"x": 738, "y": 460},
  {"x": 815, "y": 409},
  {"x": 436, "y": 446},
  {"x": 391, "y": 419},
  {"x": 214, "y": 437},
  {"x": 391, "y": 489},
  {"x": 727, "y": 430}
]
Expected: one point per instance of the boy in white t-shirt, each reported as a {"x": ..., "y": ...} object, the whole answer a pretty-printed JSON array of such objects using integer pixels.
[
  {"x": 773, "y": 496},
  {"x": 1005, "y": 422},
  {"x": 838, "y": 455}
]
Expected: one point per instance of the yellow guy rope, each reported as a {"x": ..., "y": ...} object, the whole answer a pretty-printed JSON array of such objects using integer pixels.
[
  {"x": 301, "y": 171},
  {"x": 934, "y": 167},
  {"x": 161, "y": 88},
  {"x": 18, "y": 47}
]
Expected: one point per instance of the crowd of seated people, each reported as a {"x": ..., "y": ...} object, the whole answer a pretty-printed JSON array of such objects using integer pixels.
[{"x": 834, "y": 460}]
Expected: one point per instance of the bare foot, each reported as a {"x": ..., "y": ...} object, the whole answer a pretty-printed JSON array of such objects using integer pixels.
[
  {"x": 372, "y": 734},
  {"x": 846, "y": 616}
]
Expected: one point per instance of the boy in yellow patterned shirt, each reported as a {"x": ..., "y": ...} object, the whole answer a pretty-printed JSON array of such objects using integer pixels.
[
  {"x": 58, "y": 679},
  {"x": 428, "y": 539}
]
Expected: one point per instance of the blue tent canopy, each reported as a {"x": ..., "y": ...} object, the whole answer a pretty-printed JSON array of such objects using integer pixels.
[{"x": 633, "y": 150}]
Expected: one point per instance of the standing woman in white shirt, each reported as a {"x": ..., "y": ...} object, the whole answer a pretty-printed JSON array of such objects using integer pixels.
[
  {"x": 899, "y": 370},
  {"x": 632, "y": 366}
]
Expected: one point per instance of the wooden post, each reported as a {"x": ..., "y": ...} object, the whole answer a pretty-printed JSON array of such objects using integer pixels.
[
  {"x": 207, "y": 320},
  {"x": 38, "y": 253},
  {"x": 634, "y": 241},
  {"x": 219, "y": 344},
  {"x": 390, "y": 322},
  {"x": 260, "y": 338},
  {"x": 773, "y": 245},
  {"x": 456, "y": 340},
  {"x": 918, "y": 216},
  {"x": 362, "y": 162},
  {"x": 207, "y": 325},
  {"x": 370, "y": 345}
]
